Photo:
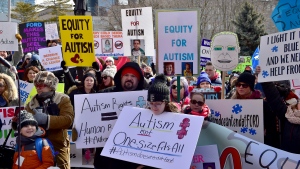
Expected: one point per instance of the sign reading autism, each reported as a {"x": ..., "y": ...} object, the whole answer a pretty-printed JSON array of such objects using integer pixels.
[
  {"x": 77, "y": 40},
  {"x": 33, "y": 36},
  {"x": 137, "y": 24},
  {"x": 279, "y": 56},
  {"x": 178, "y": 42}
]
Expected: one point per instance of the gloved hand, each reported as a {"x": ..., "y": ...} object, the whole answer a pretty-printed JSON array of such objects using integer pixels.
[
  {"x": 41, "y": 118},
  {"x": 63, "y": 65},
  {"x": 96, "y": 66},
  {"x": 19, "y": 37},
  {"x": 74, "y": 134}
]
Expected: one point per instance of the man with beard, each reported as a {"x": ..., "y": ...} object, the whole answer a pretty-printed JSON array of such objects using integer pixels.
[{"x": 128, "y": 78}]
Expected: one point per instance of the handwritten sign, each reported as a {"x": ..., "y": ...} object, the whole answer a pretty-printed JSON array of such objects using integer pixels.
[
  {"x": 279, "y": 56},
  {"x": 164, "y": 141},
  {"x": 77, "y": 40},
  {"x": 33, "y": 36},
  {"x": 51, "y": 31},
  {"x": 51, "y": 58},
  {"x": 244, "y": 153},
  {"x": 108, "y": 43},
  {"x": 240, "y": 116},
  {"x": 137, "y": 23},
  {"x": 8, "y": 41},
  {"x": 96, "y": 114},
  {"x": 25, "y": 89},
  {"x": 206, "y": 157},
  {"x": 178, "y": 40},
  {"x": 60, "y": 88}
]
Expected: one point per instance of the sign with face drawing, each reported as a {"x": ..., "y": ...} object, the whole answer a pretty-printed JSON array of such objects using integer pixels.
[{"x": 224, "y": 51}]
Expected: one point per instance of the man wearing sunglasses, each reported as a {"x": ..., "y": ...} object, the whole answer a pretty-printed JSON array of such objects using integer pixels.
[{"x": 128, "y": 78}]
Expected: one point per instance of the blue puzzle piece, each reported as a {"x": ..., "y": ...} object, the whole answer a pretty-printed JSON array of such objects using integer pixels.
[
  {"x": 141, "y": 102},
  {"x": 244, "y": 129},
  {"x": 237, "y": 109},
  {"x": 265, "y": 74},
  {"x": 252, "y": 131}
]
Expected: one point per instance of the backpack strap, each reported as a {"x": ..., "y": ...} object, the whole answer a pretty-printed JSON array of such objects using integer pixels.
[{"x": 39, "y": 147}]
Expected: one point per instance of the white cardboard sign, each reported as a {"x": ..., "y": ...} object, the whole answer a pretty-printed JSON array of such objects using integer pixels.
[
  {"x": 137, "y": 23},
  {"x": 25, "y": 89},
  {"x": 96, "y": 115},
  {"x": 164, "y": 141},
  {"x": 51, "y": 31},
  {"x": 279, "y": 56},
  {"x": 108, "y": 43},
  {"x": 51, "y": 58},
  {"x": 240, "y": 116},
  {"x": 8, "y": 41}
]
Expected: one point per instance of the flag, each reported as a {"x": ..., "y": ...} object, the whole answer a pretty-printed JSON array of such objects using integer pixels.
[{"x": 255, "y": 59}]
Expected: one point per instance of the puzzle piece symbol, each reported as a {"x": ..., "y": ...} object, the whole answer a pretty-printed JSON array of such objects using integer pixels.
[
  {"x": 141, "y": 102},
  {"x": 283, "y": 18},
  {"x": 265, "y": 73},
  {"x": 217, "y": 114},
  {"x": 252, "y": 131},
  {"x": 184, "y": 124},
  {"x": 244, "y": 129},
  {"x": 274, "y": 48},
  {"x": 237, "y": 109},
  {"x": 212, "y": 111}
]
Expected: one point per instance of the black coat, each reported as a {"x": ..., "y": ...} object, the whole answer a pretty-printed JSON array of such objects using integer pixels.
[
  {"x": 101, "y": 162},
  {"x": 290, "y": 134}
]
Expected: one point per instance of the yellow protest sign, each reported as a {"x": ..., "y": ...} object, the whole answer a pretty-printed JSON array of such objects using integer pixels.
[
  {"x": 77, "y": 40},
  {"x": 60, "y": 88}
]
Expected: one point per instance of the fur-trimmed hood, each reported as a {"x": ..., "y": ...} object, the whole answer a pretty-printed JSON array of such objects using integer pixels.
[{"x": 11, "y": 91}]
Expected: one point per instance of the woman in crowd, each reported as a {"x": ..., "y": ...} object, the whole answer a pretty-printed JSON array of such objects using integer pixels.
[
  {"x": 184, "y": 100},
  {"x": 108, "y": 75},
  {"x": 109, "y": 61},
  {"x": 30, "y": 74},
  {"x": 203, "y": 81},
  {"x": 8, "y": 91}
]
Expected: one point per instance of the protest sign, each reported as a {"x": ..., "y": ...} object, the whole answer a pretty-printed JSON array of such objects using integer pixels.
[
  {"x": 137, "y": 26},
  {"x": 240, "y": 152},
  {"x": 206, "y": 157},
  {"x": 96, "y": 114},
  {"x": 285, "y": 15},
  {"x": 178, "y": 40},
  {"x": 51, "y": 58},
  {"x": 8, "y": 41},
  {"x": 60, "y": 88},
  {"x": 240, "y": 116},
  {"x": 33, "y": 36},
  {"x": 209, "y": 93},
  {"x": 51, "y": 31},
  {"x": 77, "y": 40},
  {"x": 205, "y": 48},
  {"x": 164, "y": 141},
  {"x": 295, "y": 84},
  {"x": 244, "y": 61},
  {"x": 279, "y": 56},
  {"x": 25, "y": 89},
  {"x": 108, "y": 43}
]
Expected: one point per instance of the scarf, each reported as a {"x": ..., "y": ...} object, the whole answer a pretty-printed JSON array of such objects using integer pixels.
[
  {"x": 26, "y": 140},
  {"x": 215, "y": 76},
  {"x": 45, "y": 95},
  {"x": 292, "y": 115}
]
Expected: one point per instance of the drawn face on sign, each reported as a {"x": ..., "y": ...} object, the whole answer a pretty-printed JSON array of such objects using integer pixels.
[{"x": 225, "y": 50}]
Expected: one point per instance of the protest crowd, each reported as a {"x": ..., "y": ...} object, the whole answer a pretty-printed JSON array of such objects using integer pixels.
[{"x": 46, "y": 126}]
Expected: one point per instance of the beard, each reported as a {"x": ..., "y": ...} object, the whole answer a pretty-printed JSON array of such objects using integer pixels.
[{"x": 128, "y": 85}]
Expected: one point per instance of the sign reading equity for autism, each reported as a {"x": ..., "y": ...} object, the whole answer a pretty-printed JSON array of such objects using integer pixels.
[
  {"x": 8, "y": 41},
  {"x": 51, "y": 58},
  {"x": 96, "y": 114},
  {"x": 279, "y": 56},
  {"x": 33, "y": 36},
  {"x": 137, "y": 24},
  {"x": 108, "y": 43},
  {"x": 240, "y": 116},
  {"x": 178, "y": 42},
  {"x": 77, "y": 40},
  {"x": 164, "y": 141}
]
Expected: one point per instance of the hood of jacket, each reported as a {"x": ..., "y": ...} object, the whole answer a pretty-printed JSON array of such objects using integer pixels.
[
  {"x": 11, "y": 89},
  {"x": 118, "y": 77}
]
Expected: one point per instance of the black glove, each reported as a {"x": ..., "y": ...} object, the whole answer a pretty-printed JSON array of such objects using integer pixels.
[
  {"x": 283, "y": 90},
  {"x": 153, "y": 68},
  {"x": 63, "y": 65},
  {"x": 96, "y": 66}
]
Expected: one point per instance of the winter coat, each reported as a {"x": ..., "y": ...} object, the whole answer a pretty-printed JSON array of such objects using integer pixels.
[
  {"x": 106, "y": 162},
  {"x": 29, "y": 153},
  {"x": 205, "y": 111},
  {"x": 216, "y": 80},
  {"x": 58, "y": 125},
  {"x": 74, "y": 90},
  {"x": 183, "y": 103},
  {"x": 290, "y": 133},
  {"x": 13, "y": 60}
]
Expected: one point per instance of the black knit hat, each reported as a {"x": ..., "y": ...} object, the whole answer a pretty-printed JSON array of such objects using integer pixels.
[
  {"x": 159, "y": 91},
  {"x": 248, "y": 78},
  {"x": 27, "y": 119}
]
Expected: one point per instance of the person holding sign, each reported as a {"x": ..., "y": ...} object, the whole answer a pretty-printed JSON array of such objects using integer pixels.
[
  {"x": 8, "y": 91},
  {"x": 54, "y": 112}
]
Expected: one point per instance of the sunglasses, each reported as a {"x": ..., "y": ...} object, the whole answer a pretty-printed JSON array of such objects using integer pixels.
[
  {"x": 40, "y": 86},
  {"x": 104, "y": 77},
  {"x": 243, "y": 85},
  {"x": 174, "y": 87},
  {"x": 200, "y": 103}
]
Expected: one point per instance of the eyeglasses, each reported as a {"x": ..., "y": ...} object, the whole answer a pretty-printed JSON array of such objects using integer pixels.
[
  {"x": 243, "y": 85},
  {"x": 174, "y": 87},
  {"x": 40, "y": 86},
  {"x": 108, "y": 61},
  {"x": 104, "y": 77},
  {"x": 200, "y": 103}
]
